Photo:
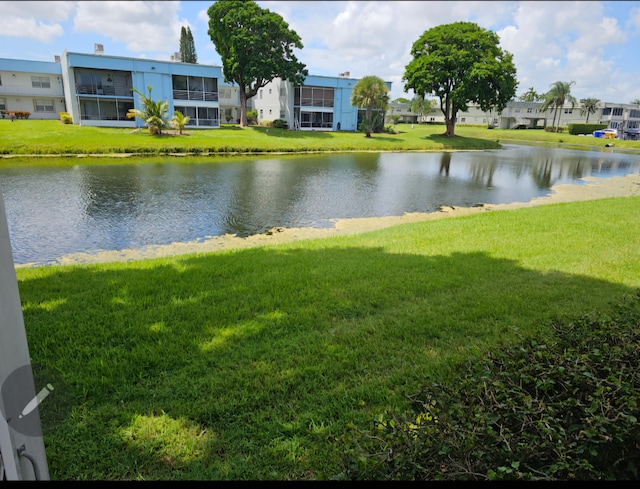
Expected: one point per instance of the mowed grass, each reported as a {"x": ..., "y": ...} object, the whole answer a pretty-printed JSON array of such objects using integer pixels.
[
  {"x": 32, "y": 137},
  {"x": 251, "y": 364}
]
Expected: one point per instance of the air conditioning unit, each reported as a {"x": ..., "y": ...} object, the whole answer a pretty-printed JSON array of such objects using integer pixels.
[
  {"x": 98, "y": 48},
  {"x": 56, "y": 58}
]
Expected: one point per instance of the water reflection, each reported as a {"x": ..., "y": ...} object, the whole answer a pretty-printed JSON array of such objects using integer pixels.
[{"x": 54, "y": 211}]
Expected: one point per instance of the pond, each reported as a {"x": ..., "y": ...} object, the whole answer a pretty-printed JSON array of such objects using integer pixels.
[{"x": 53, "y": 211}]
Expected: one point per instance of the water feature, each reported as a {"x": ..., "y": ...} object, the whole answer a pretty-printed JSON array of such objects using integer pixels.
[{"x": 53, "y": 211}]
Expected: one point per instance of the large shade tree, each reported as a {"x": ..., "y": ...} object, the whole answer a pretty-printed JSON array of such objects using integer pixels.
[
  {"x": 371, "y": 94},
  {"x": 255, "y": 45},
  {"x": 556, "y": 97},
  {"x": 461, "y": 63}
]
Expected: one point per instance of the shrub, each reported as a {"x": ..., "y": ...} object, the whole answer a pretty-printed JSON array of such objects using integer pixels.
[
  {"x": 252, "y": 117},
  {"x": 565, "y": 407},
  {"x": 280, "y": 124},
  {"x": 18, "y": 114},
  {"x": 65, "y": 118},
  {"x": 585, "y": 128}
]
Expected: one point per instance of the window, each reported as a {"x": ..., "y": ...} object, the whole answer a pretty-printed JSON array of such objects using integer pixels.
[
  {"x": 44, "y": 105},
  {"x": 463, "y": 119},
  {"x": 529, "y": 110},
  {"x": 282, "y": 91},
  {"x": 568, "y": 111},
  {"x": 3, "y": 104},
  {"x": 617, "y": 111},
  {"x": 199, "y": 116},
  {"x": 634, "y": 114},
  {"x": 282, "y": 115},
  {"x": 40, "y": 82},
  {"x": 606, "y": 111},
  {"x": 313, "y": 97}
]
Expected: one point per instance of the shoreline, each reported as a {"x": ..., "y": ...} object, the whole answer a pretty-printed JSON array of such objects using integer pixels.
[{"x": 593, "y": 189}]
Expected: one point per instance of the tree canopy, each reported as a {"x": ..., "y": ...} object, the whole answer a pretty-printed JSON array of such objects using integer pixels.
[
  {"x": 422, "y": 106},
  {"x": 154, "y": 113},
  {"x": 588, "y": 106},
  {"x": 187, "y": 46},
  {"x": 555, "y": 98},
  {"x": 461, "y": 63},
  {"x": 370, "y": 93},
  {"x": 255, "y": 45},
  {"x": 530, "y": 95}
]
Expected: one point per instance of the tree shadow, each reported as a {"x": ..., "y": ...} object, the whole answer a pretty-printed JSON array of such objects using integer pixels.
[
  {"x": 462, "y": 142},
  {"x": 291, "y": 134},
  {"x": 206, "y": 366}
]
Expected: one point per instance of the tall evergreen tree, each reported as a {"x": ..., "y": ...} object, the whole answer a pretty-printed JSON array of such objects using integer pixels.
[{"x": 187, "y": 46}]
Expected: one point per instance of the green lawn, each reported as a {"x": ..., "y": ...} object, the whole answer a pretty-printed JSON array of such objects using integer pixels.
[
  {"x": 252, "y": 364},
  {"x": 27, "y": 137}
]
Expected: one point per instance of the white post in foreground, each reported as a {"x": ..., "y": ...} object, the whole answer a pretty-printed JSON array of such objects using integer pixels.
[{"x": 23, "y": 452}]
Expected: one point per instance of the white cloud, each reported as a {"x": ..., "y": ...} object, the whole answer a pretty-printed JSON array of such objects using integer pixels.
[
  {"x": 142, "y": 26},
  {"x": 634, "y": 19},
  {"x": 35, "y": 20}
]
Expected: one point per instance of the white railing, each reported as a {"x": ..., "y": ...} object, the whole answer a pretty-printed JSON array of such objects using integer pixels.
[{"x": 195, "y": 95}]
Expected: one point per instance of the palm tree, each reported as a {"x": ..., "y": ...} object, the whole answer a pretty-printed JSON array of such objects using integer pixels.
[
  {"x": 370, "y": 93},
  {"x": 179, "y": 120},
  {"x": 589, "y": 106},
  {"x": 556, "y": 97},
  {"x": 155, "y": 114},
  {"x": 422, "y": 106},
  {"x": 530, "y": 95}
]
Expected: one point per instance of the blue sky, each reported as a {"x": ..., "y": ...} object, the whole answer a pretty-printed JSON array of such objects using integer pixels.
[{"x": 595, "y": 44}]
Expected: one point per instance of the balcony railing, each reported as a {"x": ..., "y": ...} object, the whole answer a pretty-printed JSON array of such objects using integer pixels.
[
  {"x": 204, "y": 122},
  {"x": 195, "y": 95},
  {"x": 104, "y": 90}
]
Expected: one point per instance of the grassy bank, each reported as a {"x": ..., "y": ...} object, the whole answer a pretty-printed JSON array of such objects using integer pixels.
[
  {"x": 26, "y": 137},
  {"x": 252, "y": 364}
]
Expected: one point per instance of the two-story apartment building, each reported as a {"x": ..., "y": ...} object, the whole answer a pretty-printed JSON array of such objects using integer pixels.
[
  {"x": 31, "y": 86},
  {"x": 322, "y": 103},
  {"x": 519, "y": 114},
  {"x": 99, "y": 88},
  {"x": 96, "y": 89}
]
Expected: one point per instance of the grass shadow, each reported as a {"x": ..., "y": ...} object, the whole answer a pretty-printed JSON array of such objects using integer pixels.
[{"x": 250, "y": 364}]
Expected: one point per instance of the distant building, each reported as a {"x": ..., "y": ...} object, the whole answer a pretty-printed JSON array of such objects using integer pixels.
[
  {"x": 322, "y": 103},
  {"x": 31, "y": 86},
  {"x": 96, "y": 89}
]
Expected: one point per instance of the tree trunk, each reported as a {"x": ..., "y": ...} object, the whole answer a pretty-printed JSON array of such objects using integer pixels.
[
  {"x": 368, "y": 122},
  {"x": 243, "y": 108},
  {"x": 451, "y": 125}
]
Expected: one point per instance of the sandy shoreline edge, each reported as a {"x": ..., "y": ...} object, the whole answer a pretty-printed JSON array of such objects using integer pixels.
[{"x": 592, "y": 189}]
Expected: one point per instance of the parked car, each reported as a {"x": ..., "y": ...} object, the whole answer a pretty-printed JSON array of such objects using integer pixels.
[{"x": 607, "y": 133}]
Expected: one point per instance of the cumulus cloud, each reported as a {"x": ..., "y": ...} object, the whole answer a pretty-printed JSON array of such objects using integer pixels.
[
  {"x": 35, "y": 20},
  {"x": 142, "y": 26}
]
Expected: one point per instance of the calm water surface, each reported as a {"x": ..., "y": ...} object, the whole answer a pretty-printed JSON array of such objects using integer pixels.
[{"x": 54, "y": 211}]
